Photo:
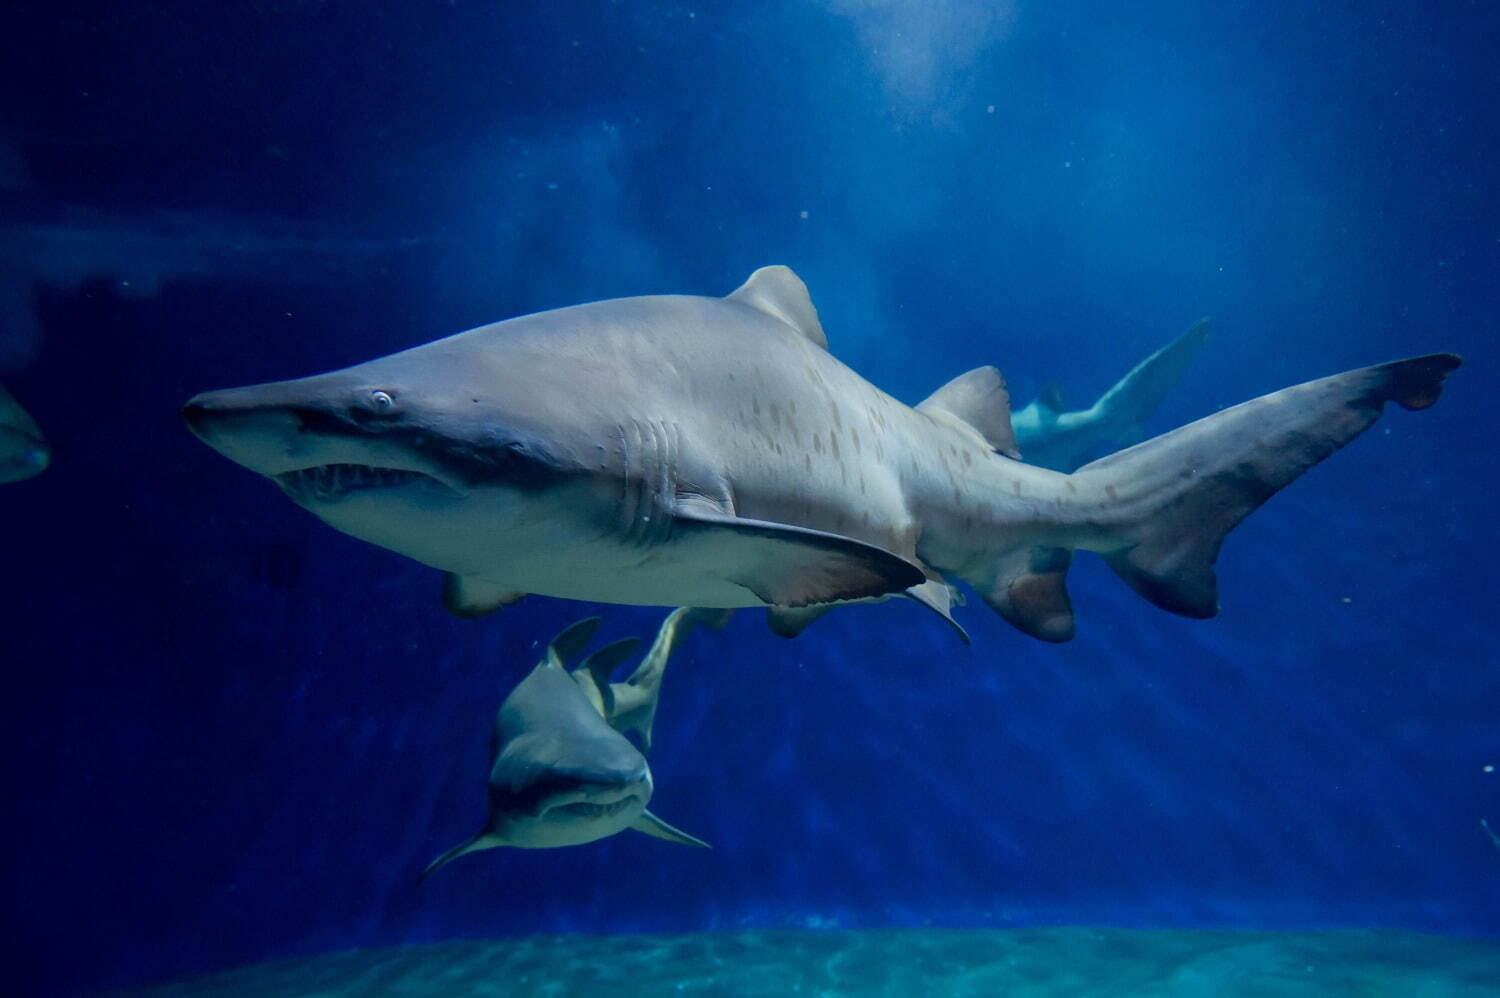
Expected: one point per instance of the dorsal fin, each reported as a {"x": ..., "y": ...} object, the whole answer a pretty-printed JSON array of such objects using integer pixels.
[
  {"x": 593, "y": 672},
  {"x": 1051, "y": 398},
  {"x": 569, "y": 644},
  {"x": 778, "y": 292},
  {"x": 979, "y": 401}
]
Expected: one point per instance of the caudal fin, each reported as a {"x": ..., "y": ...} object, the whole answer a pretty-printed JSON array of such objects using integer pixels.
[
  {"x": 1133, "y": 399},
  {"x": 634, "y": 701},
  {"x": 1166, "y": 505}
]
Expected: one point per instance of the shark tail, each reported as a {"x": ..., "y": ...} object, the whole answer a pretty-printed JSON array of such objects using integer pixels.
[
  {"x": 1159, "y": 511},
  {"x": 1137, "y": 395},
  {"x": 644, "y": 683},
  {"x": 483, "y": 840}
]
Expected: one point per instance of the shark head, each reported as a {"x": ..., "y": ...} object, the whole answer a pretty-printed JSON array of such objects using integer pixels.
[
  {"x": 23, "y": 451},
  {"x": 562, "y": 775},
  {"x": 22, "y": 455},
  {"x": 547, "y": 791},
  {"x": 444, "y": 453}
]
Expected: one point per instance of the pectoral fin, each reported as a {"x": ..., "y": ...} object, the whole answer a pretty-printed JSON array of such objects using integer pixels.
[
  {"x": 484, "y": 840},
  {"x": 934, "y": 594},
  {"x": 654, "y": 826},
  {"x": 785, "y": 565}
]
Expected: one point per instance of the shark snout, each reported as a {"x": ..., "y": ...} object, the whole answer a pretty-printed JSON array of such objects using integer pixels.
[
  {"x": 602, "y": 793},
  {"x": 242, "y": 424},
  {"x": 597, "y": 803}
]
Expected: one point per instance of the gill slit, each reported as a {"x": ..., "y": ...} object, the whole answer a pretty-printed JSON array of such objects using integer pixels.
[{"x": 650, "y": 451}]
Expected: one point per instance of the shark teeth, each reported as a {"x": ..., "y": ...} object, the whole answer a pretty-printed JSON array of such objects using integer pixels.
[
  {"x": 587, "y": 809},
  {"x": 328, "y": 482}
]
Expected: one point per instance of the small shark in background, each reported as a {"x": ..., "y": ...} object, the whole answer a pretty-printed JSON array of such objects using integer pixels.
[
  {"x": 563, "y": 771},
  {"x": 676, "y": 450},
  {"x": 23, "y": 450},
  {"x": 141, "y": 254},
  {"x": 1050, "y": 437}
]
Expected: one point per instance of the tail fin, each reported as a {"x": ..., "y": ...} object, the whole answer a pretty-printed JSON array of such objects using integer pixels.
[
  {"x": 1136, "y": 396},
  {"x": 635, "y": 699},
  {"x": 1167, "y": 504}
]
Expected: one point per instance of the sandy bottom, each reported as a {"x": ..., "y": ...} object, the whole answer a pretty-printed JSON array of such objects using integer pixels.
[{"x": 897, "y": 962}]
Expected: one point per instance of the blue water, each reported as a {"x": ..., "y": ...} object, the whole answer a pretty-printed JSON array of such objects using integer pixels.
[{"x": 232, "y": 734}]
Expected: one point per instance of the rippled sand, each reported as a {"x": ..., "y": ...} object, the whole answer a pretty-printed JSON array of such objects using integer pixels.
[{"x": 1026, "y": 962}]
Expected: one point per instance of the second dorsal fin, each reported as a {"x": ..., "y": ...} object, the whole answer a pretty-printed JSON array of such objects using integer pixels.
[
  {"x": 979, "y": 400},
  {"x": 592, "y": 674},
  {"x": 779, "y": 293}
]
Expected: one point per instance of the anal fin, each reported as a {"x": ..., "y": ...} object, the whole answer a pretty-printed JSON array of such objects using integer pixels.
[{"x": 1028, "y": 590}]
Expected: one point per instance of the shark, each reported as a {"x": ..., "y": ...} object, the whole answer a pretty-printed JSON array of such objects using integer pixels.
[
  {"x": 1051, "y": 436},
  {"x": 682, "y": 450},
  {"x": 562, "y": 770},
  {"x": 23, "y": 450}
]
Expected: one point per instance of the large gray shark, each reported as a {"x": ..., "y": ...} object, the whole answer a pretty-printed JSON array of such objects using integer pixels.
[
  {"x": 23, "y": 450},
  {"x": 1052, "y": 437},
  {"x": 684, "y": 451},
  {"x": 563, "y": 773}
]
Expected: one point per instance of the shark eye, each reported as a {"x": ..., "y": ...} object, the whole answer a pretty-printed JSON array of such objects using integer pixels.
[{"x": 382, "y": 401}]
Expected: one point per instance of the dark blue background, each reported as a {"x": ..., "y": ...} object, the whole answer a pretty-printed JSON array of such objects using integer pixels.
[{"x": 230, "y": 733}]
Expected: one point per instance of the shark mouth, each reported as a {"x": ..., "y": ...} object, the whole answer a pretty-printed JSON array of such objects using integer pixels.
[
  {"x": 590, "y": 810},
  {"x": 328, "y": 482}
]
